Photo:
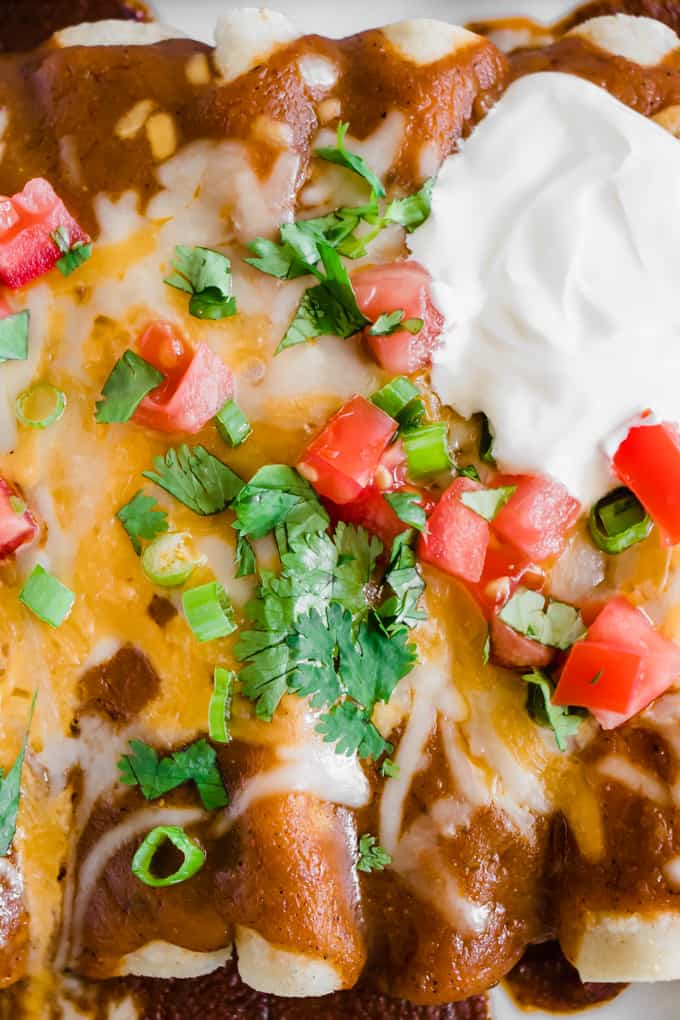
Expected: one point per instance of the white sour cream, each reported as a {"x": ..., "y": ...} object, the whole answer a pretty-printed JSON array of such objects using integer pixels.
[{"x": 554, "y": 246}]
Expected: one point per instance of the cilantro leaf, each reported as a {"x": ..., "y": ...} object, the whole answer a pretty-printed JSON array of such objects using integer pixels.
[
  {"x": 14, "y": 336},
  {"x": 372, "y": 857},
  {"x": 10, "y": 792},
  {"x": 349, "y": 727},
  {"x": 155, "y": 776},
  {"x": 357, "y": 553},
  {"x": 408, "y": 508},
  {"x": 404, "y": 579},
  {"x": 278, "y": 260},
  {"x": 392, "y": 322},
  {"x": 245, "y": 557},
  {"x": 130, "y": 380},
  {"x": 389, "y": 769},
  {"x": 141, "y": 520},
  {"x": 196, "y": 478},
  {"x": 327, "y": 309},
  {"x": 555, "y": 624},
  {"x": 488, "y": 502},
  {"x": 561, "y": 719},
  {"x": 205, "y": 274},
  {"x": 469, "y": 471},
  {"x": 73, "y": 255},
  {"x": 270, "y": 497},
  {"x": 412, "y": 211},
  {"x": 351, "y": 160}
]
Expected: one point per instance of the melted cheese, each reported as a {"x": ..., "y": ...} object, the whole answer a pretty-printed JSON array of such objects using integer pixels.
[{"x": 644, "y": 41}]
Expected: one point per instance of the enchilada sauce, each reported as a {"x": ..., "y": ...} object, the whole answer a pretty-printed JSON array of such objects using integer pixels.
[{"x": 27, "y": 23}]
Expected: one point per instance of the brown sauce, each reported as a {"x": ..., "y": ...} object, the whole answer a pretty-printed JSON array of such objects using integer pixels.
[
  {"x": 27, "y": 23},
  {"x": 223, "y": 996},
  {"x": 120, "y": 688},
  {"x": 544, "y": 979},
  {"x": 161, "y": 610}
]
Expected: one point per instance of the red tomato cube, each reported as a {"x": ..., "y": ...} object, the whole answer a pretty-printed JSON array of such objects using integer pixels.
[
  {"x": 600, "y": 676},
  {"x": 342, "y": 460},
  {"x": 27, "y": 221},
  {"x": 188, "y": 403},
  {"x": 18, "y": 526},
  {"x": 456, "y": 539},
  {"x": 648, "y": 462},
  {"x": 537, "y": 517},
  {"x": 515, "y": 651},
  {"x": 400, "y": 286},
  {"x": 504, "y": 568}
]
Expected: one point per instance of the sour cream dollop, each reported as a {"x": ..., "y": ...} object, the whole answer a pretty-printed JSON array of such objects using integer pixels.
[{"x": 554, "y": 247}]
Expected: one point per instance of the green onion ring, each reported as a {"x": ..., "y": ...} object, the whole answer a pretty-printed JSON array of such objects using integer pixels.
[
  {"x": 208, "y": 611},
  {"x": 618, "y": 521},
  {"x": 58, "y": 396},
  {"x": 193, "y": 852},
  {"x": 219, "y": 710}
]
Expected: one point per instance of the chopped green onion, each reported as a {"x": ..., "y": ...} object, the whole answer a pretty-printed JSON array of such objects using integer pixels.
[
  {"x": 208, "y": 611},
  {"x": 168, "y": 560},
  {"x": 395, "y": 396},
  {"x": 618, "y": 521},
  {"x": 14, "y": 337},
  {"x": 232, "y": 424},
  {"x": 46, "y": 597},
  {"x": 487, "y": 502},
  {"x": 219, "y": 711},
  {"x": 40, "y": 405},
  {"x": 469, "y": 471},
  {"x": 486, "y": 442},
  {"x": 73, "y": 255},
  {"x": 402, "y": 401},
  {"x": 191, "y": 850},
  {"x": 427, "y": 449}
]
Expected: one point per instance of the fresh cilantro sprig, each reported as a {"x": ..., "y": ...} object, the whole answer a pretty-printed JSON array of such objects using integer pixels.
[
  {"x": 155, "y": 776},
  {"x": 205, "y": 274},
  {"x": 328, "y": 309},
  {"x": 131, "y": 379},
  {"x": 10, "y": 792},
  {"x": 315, "y": 630},
  {"x": 412, "y": 211},
  {"x": 372, "y": 857},
  {"x": 561, "y": 719},
  {"x": 142, "y": 519},
  {"x": 550, "y": 623},
  {"x": 72, "y": 255},
  {"x": 340, "y": 155},
  {"x": 196, "y": 478}
]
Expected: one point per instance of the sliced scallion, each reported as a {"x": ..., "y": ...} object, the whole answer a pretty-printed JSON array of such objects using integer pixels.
[
  {"x": 46, "y": 597},
  {"x": 168, "y": 560},
  {"x": 40, "y": 406},
  {"x": 395, "y": 396},
  {"x": 427, "y": 449},
  {"x": 193, "y": 853},
  {"x": 208, "y": 611},
  {"x": 618, "y": 521},
  {"x": 219, "y": 711},
  {"x": 232, "y": 424}
]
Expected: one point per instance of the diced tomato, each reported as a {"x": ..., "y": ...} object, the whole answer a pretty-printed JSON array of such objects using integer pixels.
[
  {"x": 343, "y": 459},
  {"x": 18, "y": 526},
  {"x": 537, "y": 517},
  {"x": 648, "y": 462},
  {"x": 515, "y": 651},
  {"x": 399, "y": 286},
  {"x": 372, "y": 512},
  {"x": 197, "y": 385},
  {"x": 504, "y": 569},
  {"x": 393, "y": 468},
  {"x": 27, "y": 220},
  {"x": 637, "y": 664},
  {"x": 456, "y": 539}
]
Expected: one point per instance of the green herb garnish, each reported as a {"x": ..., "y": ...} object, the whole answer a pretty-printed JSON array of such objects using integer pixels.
[
  {"x": 156, "y": 776},
  {"x": 408, "y": 508},
  {"x": 141, "y": 519},
  {"x": 487, "y": 502},
  {"x": 10, "y": 791},
  {"x": 562, "y": 720},
  {"x": 372, "y": 857},
  {"x": 14, "y": 336},
  {"x": 73, "y": 255},
  {"x": 196, "y": 478},
  {"x": 357, "y": 164},
  {"x": 205, "y": 274},
  {"x": 131, "y": 379},
  {"x": 618, "y": 521},
  {"x": 554, "y": 624}
]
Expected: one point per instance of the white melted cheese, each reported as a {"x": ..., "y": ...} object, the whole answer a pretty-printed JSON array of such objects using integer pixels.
[{"x": 554, "y": 248}]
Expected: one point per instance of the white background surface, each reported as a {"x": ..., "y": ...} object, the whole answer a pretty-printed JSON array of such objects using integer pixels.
[{"x": 343, "y": 17}]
